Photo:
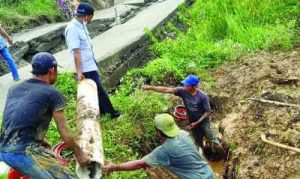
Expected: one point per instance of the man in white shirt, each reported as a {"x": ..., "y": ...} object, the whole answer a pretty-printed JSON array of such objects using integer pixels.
[{"x": 81, "y": 50}]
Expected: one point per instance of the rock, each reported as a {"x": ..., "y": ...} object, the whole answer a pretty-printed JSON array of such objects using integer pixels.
[
  {"x": 18, "y": 50},
  {"x": 51, "y": 35},
  {"x": 100, "y": 4},
  {"x": 44, "y": 47},
  {"x": 150, "y": 1},
  {"x": 135, "y": 2},
  {"x": 96, "y": 29},
  {"x": 3, "y": 67},
  {"x": 22, "y": 63}
]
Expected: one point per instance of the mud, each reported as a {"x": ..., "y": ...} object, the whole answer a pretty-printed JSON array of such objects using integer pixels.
[{"x": 242, "y": 121}]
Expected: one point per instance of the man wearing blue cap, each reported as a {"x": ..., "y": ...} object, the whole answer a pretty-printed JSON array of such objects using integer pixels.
[
  {"x": 177, "y": 153},
  {"x": 81, "y": 50},
  {"x": 29, "y": 109},
  {"x": 197, "y": 105}
]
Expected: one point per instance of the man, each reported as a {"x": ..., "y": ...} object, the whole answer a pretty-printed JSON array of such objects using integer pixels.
[
  {"x": 198, "y": 108},
  {"x": 81, "y": 50},
  {"x": 177, "y": 153},
  {"x": 28, "y": 111},
  {"x": 4, "y": 52}
]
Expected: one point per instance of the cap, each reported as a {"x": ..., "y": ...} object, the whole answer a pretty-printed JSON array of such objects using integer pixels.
[
  {"x": 166, "y": 124},
  {"x": 42, "y": 62},
  {"x": 191, "y": 80},
  {"x": 84, "y": 9}
]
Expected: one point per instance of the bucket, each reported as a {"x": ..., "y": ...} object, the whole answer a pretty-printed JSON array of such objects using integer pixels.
[
  {"x": 61, "y": 154},
  {"x": 180, "y": 114}
]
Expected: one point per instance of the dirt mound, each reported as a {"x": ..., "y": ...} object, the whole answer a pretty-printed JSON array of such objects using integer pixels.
[{"x": 270, "y": 76}]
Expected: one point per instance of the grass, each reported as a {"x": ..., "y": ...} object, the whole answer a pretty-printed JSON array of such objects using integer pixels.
[
  {"x": 16, "y": 15},
  {"x": 124, "y": 137},
  {"x": 220, "y": 31},
  {"x": 216, "y": 32}
]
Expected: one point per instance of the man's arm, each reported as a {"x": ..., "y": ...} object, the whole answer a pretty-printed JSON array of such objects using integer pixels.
[
  {"x": 128, "y": 166},
  {"x": 77, "y": 59},
  {"x": 159, "y": 89},
  {"x": 5, "y": 35},
  {"x": 207, "y": 109},
  {"x": 204, "y": 116},
  {"x": 67, "y": 136}
]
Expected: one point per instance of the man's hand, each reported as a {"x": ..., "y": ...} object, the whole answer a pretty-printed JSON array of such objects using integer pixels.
[
  {"x": 109, "y": 167},
  {"x": 83, "y": 158},
  {"x": 80, "y": 76},
  {"x": 159, "y": 89},
  {"x": 146, "y": 87},
  {"x": 46, "y": 144},
  {"x": 191, "y": 126},
  {"x": 10, "y": 41}
]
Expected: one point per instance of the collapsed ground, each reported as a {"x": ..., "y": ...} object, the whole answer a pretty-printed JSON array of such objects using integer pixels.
[
  {"x": 266, "y": 75},
  {"x": 242, "y": 121}
]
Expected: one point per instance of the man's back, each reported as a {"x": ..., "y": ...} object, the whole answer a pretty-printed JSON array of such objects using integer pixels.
[
  {"x": 27, "y": 114},
  {"x": 180, "y": 156}
]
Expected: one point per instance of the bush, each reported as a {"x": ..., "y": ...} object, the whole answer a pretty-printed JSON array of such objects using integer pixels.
[
  {"x": 16, "y": 15},
  {"x": 217, "y": 31}
]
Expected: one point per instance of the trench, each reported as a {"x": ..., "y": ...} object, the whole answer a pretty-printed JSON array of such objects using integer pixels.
[
  {"x": 126, "y": 60},
  {"x": 221, "y": 164},
  {"x": 141, "y": 50}
]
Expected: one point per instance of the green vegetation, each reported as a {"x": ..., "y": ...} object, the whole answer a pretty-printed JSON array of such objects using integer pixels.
[
  {"x": 68, "y": 86},
  {"x": 16, "y": 15},
  {"x": 219, "y": 31},
  {"x": 124, "y": 139},
  {"x": 216, "y": 32}
]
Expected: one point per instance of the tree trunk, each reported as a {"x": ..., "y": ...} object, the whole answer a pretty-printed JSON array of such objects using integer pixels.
[{"x": 89, "y": 131}]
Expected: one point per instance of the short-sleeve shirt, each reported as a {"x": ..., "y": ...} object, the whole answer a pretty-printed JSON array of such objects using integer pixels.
[
  {"x": 27, "y": 115},
  {"x": 180, "y": 156},
  {"x": 77, "y": 37},
  {"x": 2, "y": 41},
  {"x": 196, "y": 105}
]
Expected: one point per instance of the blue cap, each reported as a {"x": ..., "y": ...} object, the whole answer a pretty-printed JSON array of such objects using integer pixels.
[
  {"x": 191, "y": 80},
  {"x": 42, "y": 62},
  {"x": 84, "y": 9}
]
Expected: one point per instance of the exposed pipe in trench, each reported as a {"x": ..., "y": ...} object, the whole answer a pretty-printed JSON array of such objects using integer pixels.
[{"x": 89, "y": 131}]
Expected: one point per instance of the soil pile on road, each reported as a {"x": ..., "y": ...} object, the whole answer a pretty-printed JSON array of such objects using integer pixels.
[{"x": 266, "y": 75}]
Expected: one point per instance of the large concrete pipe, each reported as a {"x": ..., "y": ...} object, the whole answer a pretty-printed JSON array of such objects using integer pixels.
[{"x": 89, "y": 131}]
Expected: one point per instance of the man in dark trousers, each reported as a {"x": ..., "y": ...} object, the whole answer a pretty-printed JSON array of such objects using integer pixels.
[
  {"x": 177, "y": 153},
  {"x": 198, "y": 108},
  {"x": 29, "y": 109},
  {"x": 81, "y": 50}
]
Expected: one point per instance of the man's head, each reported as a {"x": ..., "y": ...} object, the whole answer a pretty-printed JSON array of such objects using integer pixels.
[
  {"x": 85, "y": 12},
  {"x": 165, "y": 123},
  {"x": 191, "y": 82},
  {"x": 44, "y": 64}
]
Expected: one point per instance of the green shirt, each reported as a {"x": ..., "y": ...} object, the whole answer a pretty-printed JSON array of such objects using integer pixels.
[{"x": 180, "y": 156}]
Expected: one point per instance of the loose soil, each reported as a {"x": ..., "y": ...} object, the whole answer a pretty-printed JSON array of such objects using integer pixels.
[
  {"x": 241, "y": 121},
  {"x": 265, "y": 75}
]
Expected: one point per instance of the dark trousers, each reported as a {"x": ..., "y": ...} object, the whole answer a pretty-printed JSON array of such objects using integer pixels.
[
  {"x": 204, "y": 129},
  {"x": 104, "y": 102}
]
